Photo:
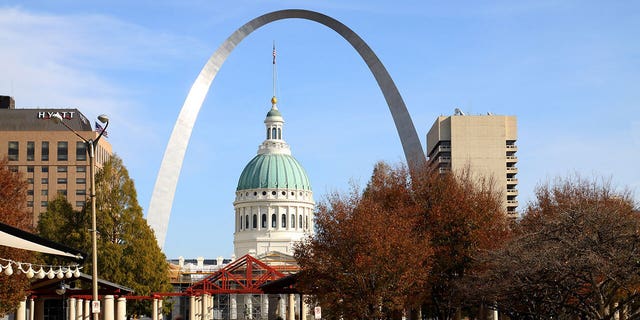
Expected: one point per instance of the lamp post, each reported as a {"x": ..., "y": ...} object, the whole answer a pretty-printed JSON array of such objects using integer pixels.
[{"x": 91, "y": 146}]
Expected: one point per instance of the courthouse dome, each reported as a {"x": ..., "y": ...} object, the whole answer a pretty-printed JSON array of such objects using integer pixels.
[{"x": 274, "y": 171}]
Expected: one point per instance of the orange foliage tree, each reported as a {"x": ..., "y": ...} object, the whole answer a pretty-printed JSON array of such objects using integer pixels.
[
  {"x": 13, "y": 212},
  {"x": 366, "y": 260}
]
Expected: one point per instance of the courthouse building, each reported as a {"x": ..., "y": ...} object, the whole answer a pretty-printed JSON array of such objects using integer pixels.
[
  {"x": 53, "y": 159},
  {"x": 485, "y": 144}
]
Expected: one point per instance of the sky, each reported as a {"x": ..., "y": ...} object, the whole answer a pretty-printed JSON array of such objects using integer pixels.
[{"x": 569, "y": 70}]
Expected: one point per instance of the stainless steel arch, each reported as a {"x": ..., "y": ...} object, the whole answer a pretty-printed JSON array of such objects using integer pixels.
[{"x": 167, "y": 180}]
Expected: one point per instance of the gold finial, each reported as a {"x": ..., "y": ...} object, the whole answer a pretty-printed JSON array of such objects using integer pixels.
[{"x": 274, "y": 100}]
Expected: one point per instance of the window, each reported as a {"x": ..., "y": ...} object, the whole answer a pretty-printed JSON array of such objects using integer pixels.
[
  {"x": 80, "y": 203},
  {"x": 44, "y": 169},
  {"x": 254, "y": 223},
  {"x": 29, "y": 168},
  {"x": 44, "y": 192},
  {"x": 62, "y": 180},
  {"x": 263, "y": 223},
  {"x": 81, "y": 192},
  {"x": 44, "y": 151},
  {"x": 62, "y": 168},
  {"x": 241, "y": 223},
  {"x": 268, "y": 133},
  {"x": 246, "y": 222},
  {"x": 13, "y": 168},
  {"x": 62, "y": 192},
  {"x": 30, "y": 204},
  {"x": 293, "y": 221},
  {"x": 81, "y": 169},
  {"x": 273, "y": 133},
  {"x": 273, "y": 220},
  {"x": 30, "y": 192},
  {"x": 284, "y": 220},
  {"x": 63, "y": 150},
  {"x": 13, "y": 150},
  {"x": 300, "y": 224},
  {"x": 279, "y": 133},
  {"x": 81, "y": 151},
  {"x": 30, "y": 180},
  {"x": 81, "y": 180},
  {"x": 31, "y": 146},
  {"x": 44, "y": 203},
  {"x": 44, "y": 181}
]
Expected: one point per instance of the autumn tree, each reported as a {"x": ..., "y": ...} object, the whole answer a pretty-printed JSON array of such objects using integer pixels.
[
  {"x": 128, "y": 251},
  {"x": 463, "y": 216},
  {"x": 366, "y": 261},
  {"x": 13, "y": 212},
  {"x": 576, "y": 255}
]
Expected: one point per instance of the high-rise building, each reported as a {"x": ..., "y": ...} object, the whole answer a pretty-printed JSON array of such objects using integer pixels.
[
  {"x": 484, "y": 144},
  {"x": 53, "y": 159},
  {"x": 274, "y": 202}
]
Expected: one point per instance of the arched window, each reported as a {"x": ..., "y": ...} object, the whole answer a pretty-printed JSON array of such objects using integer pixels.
[
  {"x": 273, "y": 133},
  {"x": 293, "y": 221},
  {"x": 274, "y": 221},
  {"x": 268, "y": 133},
  {"x": 306, "y": 222},
  {"x": 240, "y": 222},
  {"x": 300, "y": 224},
  {"x": 264, "y": 220},
  {"x": 246, "y": 222},
  {"x": 255, "y": 221},
  {"x": 280, "y": 133},
  {"x": 284, "y": 220}
]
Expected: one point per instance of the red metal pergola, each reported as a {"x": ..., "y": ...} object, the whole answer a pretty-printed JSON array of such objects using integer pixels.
[{"x": 244, "y": 275}]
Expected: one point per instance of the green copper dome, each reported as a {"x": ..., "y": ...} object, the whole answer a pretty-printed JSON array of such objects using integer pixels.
[{"x": 274, "y": 171}]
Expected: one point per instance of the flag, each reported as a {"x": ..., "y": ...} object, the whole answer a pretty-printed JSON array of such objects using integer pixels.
[
  {"x": 274, "y": 53},
  {"x": 100, "y": 129}
]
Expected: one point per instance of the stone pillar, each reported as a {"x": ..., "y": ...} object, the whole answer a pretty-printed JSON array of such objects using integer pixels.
[
  {"x": 71, "y": 302},
  {"x": 192, "y": 308},
  {"x": 109, "y": 307},
  {"x": 154, "y": 312},
  {"x": 160, "y": 308},
  {"x": 31, "y": 309},
  {"x": 291, "y": 314},
  {"x": 39, "y": 309},
  {"x": 248, "y": 305},
  {"x": 204, "y": 301},
  {"x": 121, "y": 308},
  {"x": 264, "y": 309},
  {"x": 21, "y": 312},
  {"x": 495, "y": 314},
  {"x": 305, "y": 308},
  {"x": 210, "y": 306},
  {"x": 199, "y": 308},
  {"x": 233, "y": 305},
  {"x": 86, "y": 310},
  {"x": 79, "y": 309}
]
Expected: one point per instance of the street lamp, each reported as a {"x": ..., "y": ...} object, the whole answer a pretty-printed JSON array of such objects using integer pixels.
[{"x": 91, "y": 146}]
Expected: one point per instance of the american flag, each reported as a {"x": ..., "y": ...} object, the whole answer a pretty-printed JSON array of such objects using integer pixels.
[
  {"x": 274, "y": 53},
  {"x": 100, "y": 129}
]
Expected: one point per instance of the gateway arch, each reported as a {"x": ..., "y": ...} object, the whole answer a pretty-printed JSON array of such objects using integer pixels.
[{"x": 167, "y": 180}]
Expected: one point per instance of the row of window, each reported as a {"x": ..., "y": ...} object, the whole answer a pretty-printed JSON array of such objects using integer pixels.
[
  {"x": 59, "y": 180},
  {"x": 45, "y": 192},
  {"x": 274, "y": 133},
  {"x": 44, "y": 204},
  {"x": 58, "y": 169},
  {"x": 62, "y": 154},
  {"x": 244, "y": 221}
]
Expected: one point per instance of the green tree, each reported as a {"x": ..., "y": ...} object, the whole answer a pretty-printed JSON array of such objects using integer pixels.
[
  {"x": 128, "y": 252},
  {"x": 13, "y": 212}
]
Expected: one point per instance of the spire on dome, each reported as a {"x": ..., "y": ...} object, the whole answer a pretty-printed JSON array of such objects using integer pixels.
[{"x": 274, "y": 143}]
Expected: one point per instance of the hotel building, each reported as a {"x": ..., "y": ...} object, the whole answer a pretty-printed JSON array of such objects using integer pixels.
[{"x": 53, "y": 159}]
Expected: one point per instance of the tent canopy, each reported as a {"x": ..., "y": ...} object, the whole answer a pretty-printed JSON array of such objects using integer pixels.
[{"x": 16, "y": 238}]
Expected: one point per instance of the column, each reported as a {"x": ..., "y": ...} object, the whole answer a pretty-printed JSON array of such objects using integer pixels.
[
  {"x": 21, "y": 312},
  {"x": 282, "y": 307},
  {"x": 264, "y": 309},
  {"x": 291, "y": 314},
  {"x": 199, "y": 308},
  {"x": 71, "y": 302},
  {"x": 121, "y": 308},
  {"x": 86, "y": 310},
  {"x": 210, "y": 307},
  {"x": 495, "y": 314},
  {"x": 205, "y": 308},
  {"x": 192, "y": 308},
  {"x": 109, "y": 307},
  {"x": 154, "y": 313},
  {"x": 31, "y": 309},
  {"x": 304, "y": 307},
  {"x": 39, "y": 309},
  {"x": 79, "y": 310},
  {"x": 233, "y": 306}
]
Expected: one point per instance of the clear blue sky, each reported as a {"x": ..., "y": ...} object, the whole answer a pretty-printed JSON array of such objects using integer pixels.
[{"x": 569, "y": 70}]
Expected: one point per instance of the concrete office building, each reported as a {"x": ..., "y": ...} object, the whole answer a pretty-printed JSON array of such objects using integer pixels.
[
  {"x": 53, "y": 159},
  {"x": 486, "y": 144}
]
